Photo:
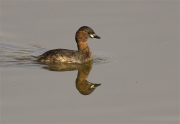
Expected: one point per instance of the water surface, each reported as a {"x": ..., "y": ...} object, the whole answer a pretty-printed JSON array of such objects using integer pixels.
[{"x": 136, "y": 62}]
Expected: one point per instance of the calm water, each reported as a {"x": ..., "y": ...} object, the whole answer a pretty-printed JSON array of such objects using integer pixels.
[{"x": 134, "y": 77}]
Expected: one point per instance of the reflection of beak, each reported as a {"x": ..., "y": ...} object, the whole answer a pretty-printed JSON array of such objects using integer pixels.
[
  {"x": 95, "y": 85},
  {"x": 95, "y": 36}
]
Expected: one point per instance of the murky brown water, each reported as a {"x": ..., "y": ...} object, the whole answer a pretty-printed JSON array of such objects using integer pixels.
[{"x": 134, "y": 77}]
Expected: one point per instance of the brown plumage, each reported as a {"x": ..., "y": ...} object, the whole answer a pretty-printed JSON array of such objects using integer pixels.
[{"x": 83, "y": 54}]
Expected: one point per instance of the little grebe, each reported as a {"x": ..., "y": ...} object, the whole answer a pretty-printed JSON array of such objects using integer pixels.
[{"x": 83, "y": 54}]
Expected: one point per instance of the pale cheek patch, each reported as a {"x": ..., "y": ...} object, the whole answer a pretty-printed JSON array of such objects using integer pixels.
[
  {"x": 91, "y": 35},
  {"x": 92, "y": 86}
]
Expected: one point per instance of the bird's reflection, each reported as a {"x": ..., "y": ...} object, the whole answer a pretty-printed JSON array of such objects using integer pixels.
[{"x": 83, "y": 86}]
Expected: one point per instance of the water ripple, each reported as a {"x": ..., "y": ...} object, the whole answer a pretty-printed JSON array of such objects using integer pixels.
[{"x": 21, "y": 55}]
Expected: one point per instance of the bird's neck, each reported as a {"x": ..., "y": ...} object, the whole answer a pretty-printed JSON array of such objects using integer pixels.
[{"x": 83, "y": 47}]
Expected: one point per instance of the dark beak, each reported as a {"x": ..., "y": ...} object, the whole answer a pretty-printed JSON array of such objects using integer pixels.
[{"x": 96, "y": 36}]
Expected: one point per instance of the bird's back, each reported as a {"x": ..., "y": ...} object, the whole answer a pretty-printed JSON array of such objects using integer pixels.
[{"x": 64, "y": 56}]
